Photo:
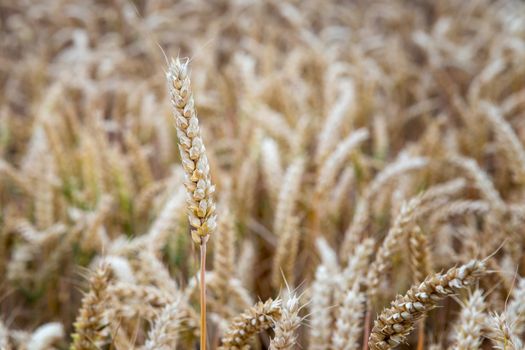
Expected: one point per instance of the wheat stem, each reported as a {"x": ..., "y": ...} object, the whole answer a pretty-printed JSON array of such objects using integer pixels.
[{"x": 203, "y": 295}]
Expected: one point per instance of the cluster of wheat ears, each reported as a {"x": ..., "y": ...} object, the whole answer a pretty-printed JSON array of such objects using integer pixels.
[{"x": 328, "y": 175}]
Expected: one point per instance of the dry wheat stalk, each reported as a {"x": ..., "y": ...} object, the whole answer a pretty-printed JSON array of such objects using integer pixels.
[
  {"x": 252, "y": 321},
  {"x": 469, "y": 326},
  {"x": 394, "y": 324}
]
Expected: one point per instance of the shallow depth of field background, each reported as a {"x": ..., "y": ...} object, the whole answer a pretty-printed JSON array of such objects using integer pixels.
[{"x": 324, "y": 122}]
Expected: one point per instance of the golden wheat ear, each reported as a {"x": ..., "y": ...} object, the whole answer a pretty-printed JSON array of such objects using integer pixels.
[
  {"x": 395, "y": 323},
  {"x": 91, "y": 330},
  {"x": 199, "y": 188}
]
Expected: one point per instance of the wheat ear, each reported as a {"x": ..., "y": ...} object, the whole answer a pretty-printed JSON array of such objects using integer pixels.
[
  {"x": 516, "y": 307},
  {"x": 254, "y": 320},
  {"x": 224, "y": 253},
  {"x": 321, "y": 318},
  {"x": 394, "y": 324},
  {"x": 165, "y": 330},
  {"x": 199, "y": 188},
  {"x": 508, "y": 138},
  {"x": 481, "y": 179},
  {"x": 502, "y": 336},
  {"x": 468, "y": 328},
  {"x": 201, "y": 206},
  {"x": 362, "y": 215},
  {"x": 349, "y": 323},
  {"x": 285, "y": 328},
  {"x": 286, "y": 254},
  {"x": 390, "y": 244},
  {"x": 91, "y": 323},
  {"x": 420, "y": 255},
  {"x": 289, "y": 194}
]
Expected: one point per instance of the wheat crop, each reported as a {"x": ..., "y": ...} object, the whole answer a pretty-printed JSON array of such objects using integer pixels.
[{"x": 241, "y": 174}]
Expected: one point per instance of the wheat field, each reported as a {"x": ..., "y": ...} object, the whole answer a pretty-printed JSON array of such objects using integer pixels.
[{"x": 279, "y": 174}]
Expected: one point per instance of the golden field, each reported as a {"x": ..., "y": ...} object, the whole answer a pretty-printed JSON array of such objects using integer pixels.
[{"x": 343, "y": 175}]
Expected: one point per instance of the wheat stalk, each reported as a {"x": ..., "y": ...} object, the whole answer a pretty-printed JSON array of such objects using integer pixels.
[{"x": 201, "y": 206}]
